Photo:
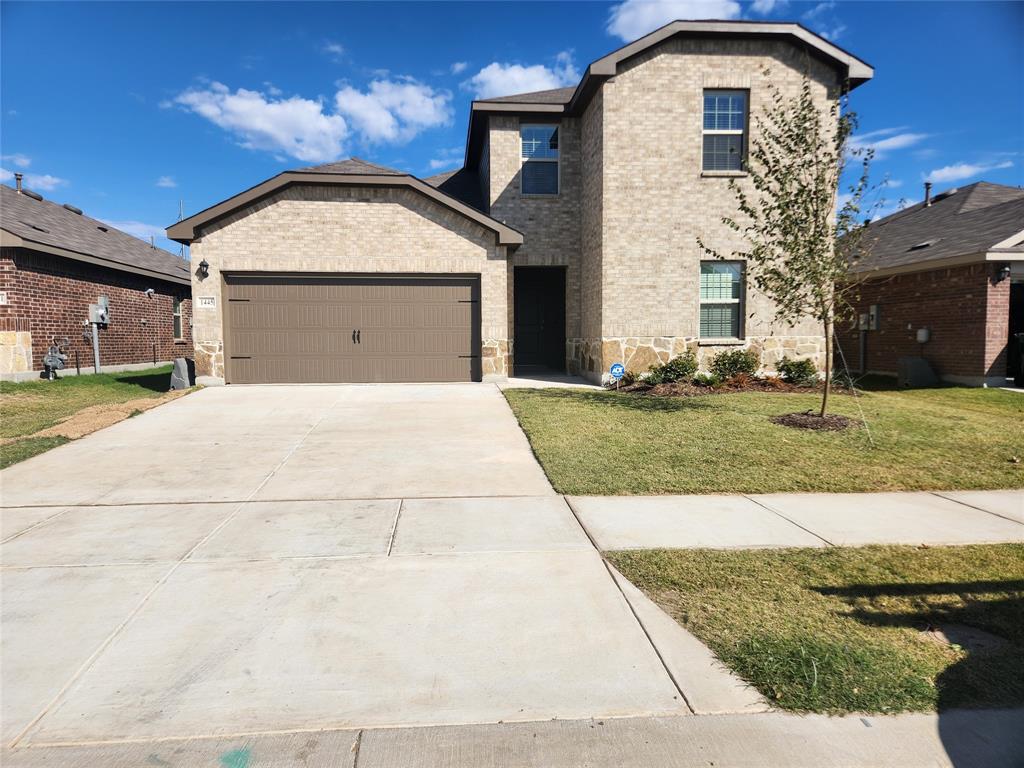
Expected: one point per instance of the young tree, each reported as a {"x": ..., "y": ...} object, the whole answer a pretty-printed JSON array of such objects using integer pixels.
[{"x": 801, "y": 234}]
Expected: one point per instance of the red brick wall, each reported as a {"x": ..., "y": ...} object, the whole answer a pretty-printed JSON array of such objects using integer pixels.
[
  {"x": 967, "y": 314},
  {"x": 50, "y": 296}
]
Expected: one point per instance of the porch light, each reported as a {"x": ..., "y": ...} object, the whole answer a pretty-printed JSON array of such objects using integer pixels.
[
  {"x": 1003, "y": 273},
  {"x": 204, "y": 268}
]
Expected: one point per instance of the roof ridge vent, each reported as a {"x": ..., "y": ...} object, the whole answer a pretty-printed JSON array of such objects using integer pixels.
[
  {"x": 73, "y": 209},
  {"x": 30, "y": 193}
]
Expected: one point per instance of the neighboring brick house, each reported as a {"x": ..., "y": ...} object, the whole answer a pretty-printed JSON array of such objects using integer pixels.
[
  {"x": 567, "y": 241},
  {"x": 943, "y": 280},
  {"x": 55, "y": 261}
]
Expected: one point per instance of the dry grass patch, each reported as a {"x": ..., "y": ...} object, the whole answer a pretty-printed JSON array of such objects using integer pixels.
[{"x": 867, "y": 629}]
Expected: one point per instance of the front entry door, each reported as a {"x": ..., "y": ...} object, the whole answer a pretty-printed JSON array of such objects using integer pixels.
[{"x": 539, "y": 318}]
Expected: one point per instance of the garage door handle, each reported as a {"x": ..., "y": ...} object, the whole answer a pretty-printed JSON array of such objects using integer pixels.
[
  {"x": 353, "y": 336},
  {"x": 359, "y": 336}
]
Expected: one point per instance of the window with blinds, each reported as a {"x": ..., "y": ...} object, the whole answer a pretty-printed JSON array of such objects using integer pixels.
[
  {"x": 725, "y": 124},
  {"x": 721, "y": 299},
  {"x": 539, "y": 159}
]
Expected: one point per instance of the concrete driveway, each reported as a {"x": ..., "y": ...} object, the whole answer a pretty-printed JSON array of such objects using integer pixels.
[{"x": 256, "y": 560}]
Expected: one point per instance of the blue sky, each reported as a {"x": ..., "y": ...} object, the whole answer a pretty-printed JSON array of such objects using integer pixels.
[{"x": 126, "y": 108}]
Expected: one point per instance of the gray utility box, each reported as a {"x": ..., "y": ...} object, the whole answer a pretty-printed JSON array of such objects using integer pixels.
[
  {"x": 183, "y": 375},
  {"x": 915, "y": 372}
]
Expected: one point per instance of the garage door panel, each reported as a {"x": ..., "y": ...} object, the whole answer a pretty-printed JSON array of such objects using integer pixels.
[{"x": 295, "y": 329}]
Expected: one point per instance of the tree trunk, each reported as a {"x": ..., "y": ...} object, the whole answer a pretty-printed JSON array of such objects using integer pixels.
[{"x": 828, "y": 368}]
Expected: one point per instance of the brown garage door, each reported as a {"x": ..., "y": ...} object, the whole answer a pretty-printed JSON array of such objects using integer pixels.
[{"x": 351, "y": 329}]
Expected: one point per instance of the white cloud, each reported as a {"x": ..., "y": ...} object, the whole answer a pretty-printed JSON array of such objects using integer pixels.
[
  {"x": 333, "y": 49},
  {"x": 459, "y": 67},
  {"x": 499, "y": 79},
  {"x": 167, "y": 182},
  {"x": 139, "y": 229},
  {"x": 294, "y": 126},
  {"x": 19, "y": 160},
  {"x": 818, "y": 11},
  {"x": 631, "y": 19},
  {"x": 886, "y": 140},
  {"x": 39, "y": 182},
  {"x": 766, "y": 6},
  {"x": 394, "y": 111},
  {"x": 960, "y": 171},
  {"x": 450, "y": 157},
  {"x": 824, "y": 21}
]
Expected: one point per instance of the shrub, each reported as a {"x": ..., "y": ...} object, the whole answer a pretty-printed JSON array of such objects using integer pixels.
[
  {"x": 706, "y": 380},
  {"x": 802, "y": 373},
  {"x": 726, "y": 365},
  {"x": 682, "y": 367}
]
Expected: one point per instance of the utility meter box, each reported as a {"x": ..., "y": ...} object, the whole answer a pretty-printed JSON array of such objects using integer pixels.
[
  {"x": 923, "y": 335},
  {"x": 874, "y": 319},
  {"x": 99, "y": 314},
  {"x": 862, "y": 322}
]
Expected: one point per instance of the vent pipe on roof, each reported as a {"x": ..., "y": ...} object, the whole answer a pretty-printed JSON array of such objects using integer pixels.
[
  {"x": 17, "y": 182},
  {"x": 927, "y": 194}
]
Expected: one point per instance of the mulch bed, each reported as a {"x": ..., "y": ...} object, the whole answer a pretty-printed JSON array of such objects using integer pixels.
[
  {"x": 740, "y": 384},
  {"x": 832, "y": 422}
]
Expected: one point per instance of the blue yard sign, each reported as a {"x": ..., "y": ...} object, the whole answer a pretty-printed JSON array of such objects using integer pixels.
[{"x": 618, "y": 370}]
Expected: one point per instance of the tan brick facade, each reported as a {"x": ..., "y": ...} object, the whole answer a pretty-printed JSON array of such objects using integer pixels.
[
  {"x": 348, "y": 229},
  {"x": 633, "y": 201}
]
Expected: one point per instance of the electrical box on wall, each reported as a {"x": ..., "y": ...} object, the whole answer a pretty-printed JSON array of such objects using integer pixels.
[
  {"x": 99, "y": 314},
  {"x": 862, "y": 322},
  {"x": 923, "y": 335},
  {"x": 873, "y": 318}
]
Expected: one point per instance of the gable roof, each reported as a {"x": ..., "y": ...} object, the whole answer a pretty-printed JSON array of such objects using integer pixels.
[
  {"x": 980, "y": 222},
  {"x": 354, "y": 172},
  {"x": 572, "y": 101},
  {"x": 553, "y": 96},
  {"x": 45, "y": 226}
]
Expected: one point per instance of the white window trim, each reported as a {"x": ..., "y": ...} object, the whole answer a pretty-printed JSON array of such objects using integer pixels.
[
  {"x": 740, "y": 302},
  {"x": 177, "y": 314},
  {"x": 723, "y": 131},
  {"x": 524, "y": 160}
]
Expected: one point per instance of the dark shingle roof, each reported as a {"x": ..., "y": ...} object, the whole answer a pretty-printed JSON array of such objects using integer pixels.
[
  {"x": 47, "y": 223},
  {"x": 461, "y": 184},
  {"x": 353, "y": 166},
  {"x": 554, "y": 96},
  {"x": 959, "y": 222}
]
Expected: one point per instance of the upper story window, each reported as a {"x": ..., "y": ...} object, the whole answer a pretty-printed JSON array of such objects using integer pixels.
[
  {"x": 176, "y": 314},
  {"x": 725, "y": 125},
  {"x": 721, "y": 299},
  {"x": 539, "y": 154}
]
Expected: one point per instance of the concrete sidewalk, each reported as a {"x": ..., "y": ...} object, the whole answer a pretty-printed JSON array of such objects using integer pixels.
[
  {"x": 802, "y": 519},
  {"x": 956, "y": 739}
]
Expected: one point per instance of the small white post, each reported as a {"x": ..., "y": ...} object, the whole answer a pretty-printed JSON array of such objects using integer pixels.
[{"x": 96, "y": 346}]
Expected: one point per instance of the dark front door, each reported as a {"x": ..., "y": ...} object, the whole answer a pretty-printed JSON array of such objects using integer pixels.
[{"x": 539, "y": 318}]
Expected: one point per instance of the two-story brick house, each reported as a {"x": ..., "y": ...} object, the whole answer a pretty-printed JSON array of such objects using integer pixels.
[{"x": 568, "y": 240}]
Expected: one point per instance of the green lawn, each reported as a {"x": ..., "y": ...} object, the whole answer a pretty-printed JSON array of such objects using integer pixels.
[
  {"x": 842, "y": 630},
  {"x": 593, "y": 442},
  {"x": 28, "y": 407}
]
